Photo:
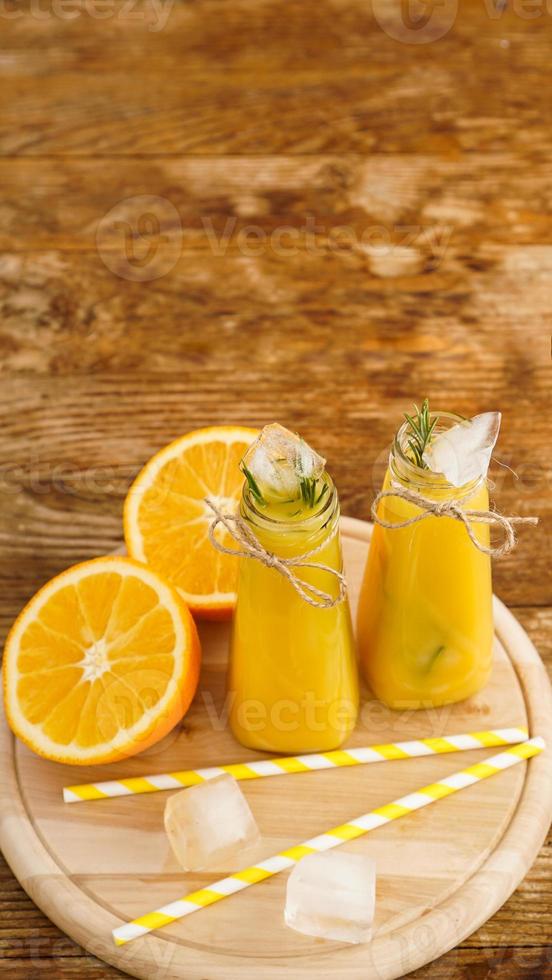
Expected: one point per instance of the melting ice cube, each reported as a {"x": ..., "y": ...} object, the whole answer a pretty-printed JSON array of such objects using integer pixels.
[
  {"x": 332, "y": 895},
  {"x": 463, "y": 452},
  {"x": 278, "y": 460},
  {"x": 210, "y": 823}
]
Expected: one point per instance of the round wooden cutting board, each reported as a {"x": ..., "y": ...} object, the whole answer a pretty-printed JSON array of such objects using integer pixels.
[{"x": 441, "y": 871}]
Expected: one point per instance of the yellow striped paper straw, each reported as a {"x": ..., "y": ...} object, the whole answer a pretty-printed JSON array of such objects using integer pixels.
[
  {"x": 296, "y": 763},
  {"x": 332, "y": 838}
]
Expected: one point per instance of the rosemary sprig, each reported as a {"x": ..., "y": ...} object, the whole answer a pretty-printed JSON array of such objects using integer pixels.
[
  {"x": 309, "y": 496},
  {"x": 421, "y": 428},
  {"x": 307, "y": 486},
  {"x": 253, "y": 485},
  {"x": 321, "y": 494}
]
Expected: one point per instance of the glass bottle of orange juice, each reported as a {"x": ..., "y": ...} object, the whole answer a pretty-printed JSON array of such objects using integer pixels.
[
  {"x": 425, "y": 625},
  {"x": 292, "y": 676}
]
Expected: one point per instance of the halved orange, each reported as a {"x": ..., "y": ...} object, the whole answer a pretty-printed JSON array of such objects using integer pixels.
[
  {"x": 101, "y": 663},
  {"x": 166, "y": 519}
]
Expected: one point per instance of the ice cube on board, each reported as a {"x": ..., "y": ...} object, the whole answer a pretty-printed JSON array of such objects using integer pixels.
[
  {"x": 332, "y": 895},
  {"x": 463, "y": 452},
  {"x": 209, "y": 823},
  {"x": 279, "y": 459}
]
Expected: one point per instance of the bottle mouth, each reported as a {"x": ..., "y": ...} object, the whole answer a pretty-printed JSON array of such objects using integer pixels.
[
  {"x": 316, "y": 520},
  {"x": 405, "y": 470}
]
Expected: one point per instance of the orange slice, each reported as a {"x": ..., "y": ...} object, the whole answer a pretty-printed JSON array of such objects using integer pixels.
[
  {"x": 101, "y": 664},
  {"x": 166, "y": 518}
]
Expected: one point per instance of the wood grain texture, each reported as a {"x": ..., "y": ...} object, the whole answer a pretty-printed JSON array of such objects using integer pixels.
[
  {"x": 327, "y": 70},
  {"x": 249, "y": 112}
]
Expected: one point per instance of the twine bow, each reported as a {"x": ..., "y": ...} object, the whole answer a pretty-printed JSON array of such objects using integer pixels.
[
  {"x": 251, "y": 547},
  {"x": 453, "y": 508}
]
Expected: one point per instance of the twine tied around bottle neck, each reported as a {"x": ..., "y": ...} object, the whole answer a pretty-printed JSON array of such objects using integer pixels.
[
  {"x": 454, "y": 509},
  {"x": 251, "y": 547}
]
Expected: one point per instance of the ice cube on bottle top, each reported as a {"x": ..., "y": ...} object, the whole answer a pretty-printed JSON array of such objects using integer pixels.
[
  {"x": 332, "y": 895},
  {"x": 209, "y": 823},
  {"x": 463, "y": 452},
  {"x": 279, "y": 460}
]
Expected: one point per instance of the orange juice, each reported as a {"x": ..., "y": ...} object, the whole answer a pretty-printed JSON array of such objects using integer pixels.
[
  {"x": 292, "y": 676},
  {"x": 425, "y": 626}
]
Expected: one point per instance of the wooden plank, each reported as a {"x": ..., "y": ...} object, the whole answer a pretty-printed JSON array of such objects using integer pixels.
[
  {"x": 72, "y": 444},
  {"x": 68, "y": 314},
  {"x": 220, "y": 78},
  {"x": 538, "y": 623},
  {"x": 281, "y": 205},
  {"x": 489, "y": 964},
  {"x": 61, "y": 967}
]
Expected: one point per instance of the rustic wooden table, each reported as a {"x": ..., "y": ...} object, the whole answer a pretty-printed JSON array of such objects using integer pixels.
[{"x": 241, "y": 210}]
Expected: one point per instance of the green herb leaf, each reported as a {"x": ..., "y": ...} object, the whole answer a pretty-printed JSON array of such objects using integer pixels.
[
  {"x": 253, "y": 485},
  {"x": 307, "y": 485},
  {"x": 421, "y": 430},
  {"x": 321, "y": 494}
]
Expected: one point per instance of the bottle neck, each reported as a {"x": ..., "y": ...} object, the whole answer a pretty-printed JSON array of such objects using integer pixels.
[
  {"x": 405, "y": 473},
  {"x": 285, "y": 529}
]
